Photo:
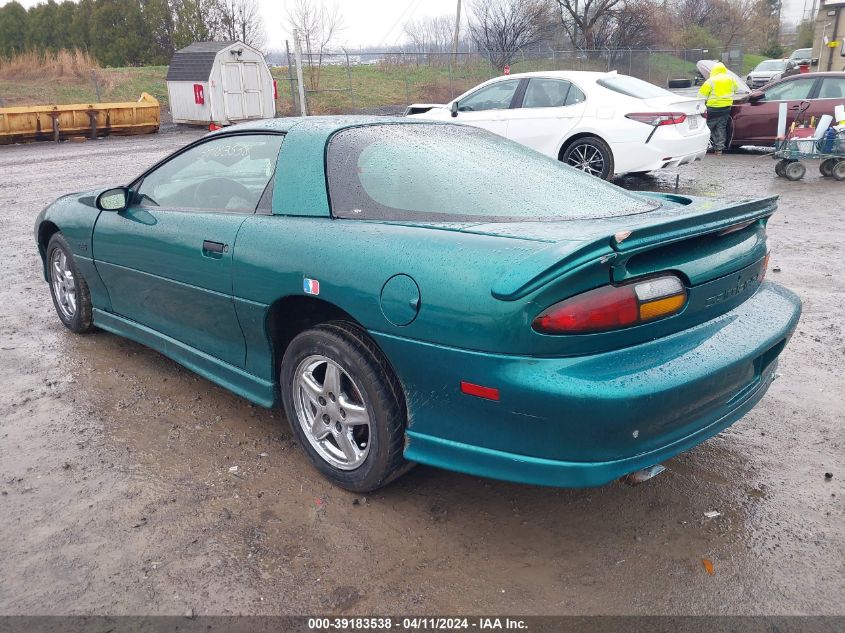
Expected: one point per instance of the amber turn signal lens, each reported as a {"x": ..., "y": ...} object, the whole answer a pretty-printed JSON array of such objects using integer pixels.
[{"x": 661, "y": 307}]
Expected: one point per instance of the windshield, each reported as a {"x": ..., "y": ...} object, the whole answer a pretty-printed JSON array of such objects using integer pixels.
[
  {"x": 802, "y": 53},
  {"x": 771, "y": 64},
  {"x": 632, "y": 87},
  {"x": 452, "y": 173}
]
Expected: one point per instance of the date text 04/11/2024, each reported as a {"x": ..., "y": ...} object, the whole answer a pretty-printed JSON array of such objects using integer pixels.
[{"x": 417, "y": 624}]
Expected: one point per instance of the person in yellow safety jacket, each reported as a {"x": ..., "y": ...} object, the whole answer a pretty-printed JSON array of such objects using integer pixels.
[{"x": 719, "y": 91}]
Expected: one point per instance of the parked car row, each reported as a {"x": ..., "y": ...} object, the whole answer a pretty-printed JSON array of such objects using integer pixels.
[
  {"x": 601, "y": 123},
  {"x": 609, "y": 124}
]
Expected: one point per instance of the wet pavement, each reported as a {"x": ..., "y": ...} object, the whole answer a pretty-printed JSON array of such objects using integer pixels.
[{"x": 116, "y": 494}]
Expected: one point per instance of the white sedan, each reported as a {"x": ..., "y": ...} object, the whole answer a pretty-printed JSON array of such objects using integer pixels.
[{"x": 602, "y": 123}]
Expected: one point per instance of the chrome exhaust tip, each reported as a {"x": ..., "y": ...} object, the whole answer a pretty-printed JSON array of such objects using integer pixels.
[{"x": 644, "y": 474}]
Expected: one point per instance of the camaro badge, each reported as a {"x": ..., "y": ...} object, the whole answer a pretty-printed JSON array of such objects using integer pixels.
[{"x": 311, "y": 286}]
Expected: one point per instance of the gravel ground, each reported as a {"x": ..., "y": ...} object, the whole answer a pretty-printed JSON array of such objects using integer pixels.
[{"x": 116, "y": 495}]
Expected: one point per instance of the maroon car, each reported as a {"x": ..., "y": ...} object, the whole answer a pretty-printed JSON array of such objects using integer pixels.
[{"x": 754, "y": 118}]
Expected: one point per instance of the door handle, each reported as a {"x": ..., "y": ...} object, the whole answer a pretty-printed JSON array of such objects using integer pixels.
[{"x": 214, "y": 247}]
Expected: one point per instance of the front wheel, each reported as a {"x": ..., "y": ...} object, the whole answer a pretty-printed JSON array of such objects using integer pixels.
[
  {"x": 68, "y": 287},
  {"x": 345, "y": 406},
  {"x": 591, "y": 155}
]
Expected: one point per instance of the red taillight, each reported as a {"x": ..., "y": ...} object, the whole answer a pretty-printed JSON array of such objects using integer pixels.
[
  {"x": 658, "y": 118},
  {"x": 600, "y": 309},
  {"x": 614, "y": 307}
]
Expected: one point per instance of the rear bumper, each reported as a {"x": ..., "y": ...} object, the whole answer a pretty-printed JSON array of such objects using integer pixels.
[
  {"x": 485, "y": 462},
  {"x": 667, "y": 148},
  {"x": 584, "y": 421}
]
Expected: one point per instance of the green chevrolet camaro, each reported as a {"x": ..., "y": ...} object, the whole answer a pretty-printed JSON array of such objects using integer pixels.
[{"x": 433, "y": 293}]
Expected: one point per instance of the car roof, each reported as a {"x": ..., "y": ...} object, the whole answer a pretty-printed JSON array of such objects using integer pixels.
[
  {"x": 823, "y": 73},
  {"x": 285, "y": 124},
  {"x": 561, "y": 74},
  {"x": 324, "y": 123}
]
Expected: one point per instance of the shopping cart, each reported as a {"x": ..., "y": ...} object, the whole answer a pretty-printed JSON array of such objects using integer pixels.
[{"x": 803, "y": 143}]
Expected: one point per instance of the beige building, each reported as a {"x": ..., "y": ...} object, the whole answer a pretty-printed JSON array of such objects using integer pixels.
[{"x": 830, "y": 28}]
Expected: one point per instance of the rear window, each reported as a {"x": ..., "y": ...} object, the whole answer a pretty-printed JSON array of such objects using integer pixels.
[
  {"x": 632, "y": 87},
  {"x": 802, "y": 53},
  {"x": 452, "y": 173}
]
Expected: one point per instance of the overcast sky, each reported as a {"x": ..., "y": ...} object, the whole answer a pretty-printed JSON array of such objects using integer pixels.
[{"x": 379, "y": 22}]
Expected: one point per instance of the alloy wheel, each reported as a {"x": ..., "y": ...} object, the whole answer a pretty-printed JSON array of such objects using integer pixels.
[
  {"x": 587, "y": 158},
  {"x": 331, "y": 412},
  {"x": 64, "y": 285}
]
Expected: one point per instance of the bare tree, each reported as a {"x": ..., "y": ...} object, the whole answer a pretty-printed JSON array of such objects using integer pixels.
[
  {"x": 502, "y": 27},
  {"x": 431, "y": 34},
  {"x": 242, "y": 21},
  {"x": 634, "y": 25},
  {"x": 728, "y": 21},
  {"x": 581, "y": 19},
  {"x": 318, "y": 23}
]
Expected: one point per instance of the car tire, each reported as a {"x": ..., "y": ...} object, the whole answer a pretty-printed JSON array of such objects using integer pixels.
[
  {"x": 826, "y": 167},
  {"x": 794, "y": 170},
  {"x": 591, "y": 155},
  {"x": 340, "y": 357},
  {"x": 680, "y": 83},
  {"x": 838, "y": 170},
  {"x": 779, "y": 167},
  {"x": 68, "y": 287}
]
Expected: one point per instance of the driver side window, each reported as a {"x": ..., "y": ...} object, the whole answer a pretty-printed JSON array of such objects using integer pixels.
[
  {"x": 226, "y": 174},
  {"x": 789, "y": 90},
  {"x": 494, "y": 97}
]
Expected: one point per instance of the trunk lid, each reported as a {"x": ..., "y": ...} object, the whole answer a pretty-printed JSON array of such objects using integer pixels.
[
  {"x": 684, "y": 235},
  {"x": 717, "y": 249}
]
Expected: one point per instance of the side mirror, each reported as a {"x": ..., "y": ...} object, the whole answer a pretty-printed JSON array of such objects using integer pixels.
[
  {"x": 814, "y": 61},
  {"x": 116, "y": 199},
  {"x": 454, "y": 108},
  {"x": 756, "y": 95}
]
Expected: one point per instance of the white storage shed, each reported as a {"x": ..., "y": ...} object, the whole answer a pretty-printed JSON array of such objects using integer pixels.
[{"x": 220, "y": 82}]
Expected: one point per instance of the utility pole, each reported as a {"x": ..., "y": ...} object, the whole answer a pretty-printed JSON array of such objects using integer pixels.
[
  {"x": 457, "y": 33},
  {"x": 297, "y": 51}
]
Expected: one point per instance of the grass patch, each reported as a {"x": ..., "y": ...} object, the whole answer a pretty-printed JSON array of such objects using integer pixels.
[
  {"x": 35, "y": 65},
  {"x": 384, "y": 87},
  {"x": 114, "y": 84}
]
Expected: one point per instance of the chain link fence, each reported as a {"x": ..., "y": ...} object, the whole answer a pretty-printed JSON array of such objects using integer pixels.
[{"x": 346, "y": 82}]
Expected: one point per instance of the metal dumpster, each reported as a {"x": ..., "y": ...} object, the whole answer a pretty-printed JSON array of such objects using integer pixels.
[{"x": 58, "y": 122}]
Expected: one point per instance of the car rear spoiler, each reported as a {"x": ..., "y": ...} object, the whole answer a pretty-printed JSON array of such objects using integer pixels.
[{"x": 644, "y": 232}]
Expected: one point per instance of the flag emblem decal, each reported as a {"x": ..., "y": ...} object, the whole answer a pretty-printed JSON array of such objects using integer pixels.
[{"x": 311, "y": 286}]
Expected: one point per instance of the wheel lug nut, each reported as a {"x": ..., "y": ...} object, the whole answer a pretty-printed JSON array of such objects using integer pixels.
[
  {"x": 331, "y": 397},
  {"x": 326, "y": 418},
  {"x": 338, "y": 427},
  {"x": 322, "y": 401},
  {"x": 342, "y": 414}
]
